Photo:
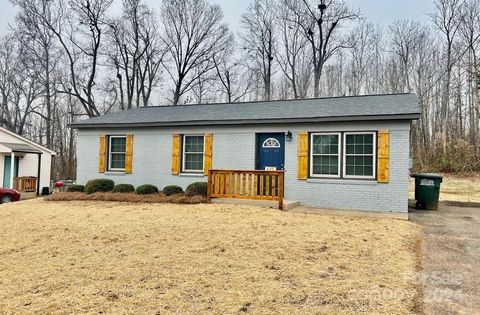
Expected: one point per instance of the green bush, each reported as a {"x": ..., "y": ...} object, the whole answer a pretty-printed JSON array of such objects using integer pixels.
[
  {"x": 146, "y": 189},
  {"x": 123, "y": 188},
  {"x": 197, "y": 189},
  {"x": 172, "y": 190},
  {"x": 76, "y": 188},
  {"x": 99, "y": 185}
]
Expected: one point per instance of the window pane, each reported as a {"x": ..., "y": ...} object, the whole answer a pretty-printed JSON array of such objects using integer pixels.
[
  {"x": 117, "y": 144},
  {"x": 193, "y": 161},
  {"x": 118, "y": 160},
  {"x": 325, "y": 144},
  {"x": 194, "y": 144},
  {"x": 368, "y": 149},
  {"x": 358, "y": 139},
  {"x": 359, "y": 155},
  {"x": 358, "y": 148},
  {"x": 350, "y": 149},
  {"x": 350, "y": 139},
  {"x": 325, "y": 165},
  {"x": 368, "y": 139},
  {"x": 368, "y": 170}
]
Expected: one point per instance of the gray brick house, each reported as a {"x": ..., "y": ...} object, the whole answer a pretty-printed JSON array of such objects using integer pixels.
[{"x": 339, "y": 152}]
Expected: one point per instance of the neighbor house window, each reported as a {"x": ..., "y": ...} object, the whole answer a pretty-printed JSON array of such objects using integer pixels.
[
  {"x": 193, "y": 153},
  {"x": 325, "y": 155},
  {"x": 116, "y": 153},
  {"x": 359, "y": 155}
]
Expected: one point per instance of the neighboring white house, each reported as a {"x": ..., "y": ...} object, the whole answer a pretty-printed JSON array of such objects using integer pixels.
[{"x": 30, "y": 170}]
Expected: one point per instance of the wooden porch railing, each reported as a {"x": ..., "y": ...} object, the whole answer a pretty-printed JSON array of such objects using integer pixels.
[
  {"x": 25, "y": 184},
  {"x": 246, "y": 184}
]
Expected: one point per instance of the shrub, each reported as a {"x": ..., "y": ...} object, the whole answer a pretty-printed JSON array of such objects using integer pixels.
[
  {"x": 123, "y": 188},
  {"x": 197, "y": 188},
  {"x": 172, "y": 190},
  {"x": 99, "y": 185},
  {"x": 146, "y": 189},
  {"x": 76, "y": 188}
]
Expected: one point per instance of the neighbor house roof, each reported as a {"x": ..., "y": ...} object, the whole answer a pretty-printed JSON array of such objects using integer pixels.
[
  {"x": 21, "y": 147},
  {"x": 351, "y": 108},
  {"x": 25, "y": 141}
]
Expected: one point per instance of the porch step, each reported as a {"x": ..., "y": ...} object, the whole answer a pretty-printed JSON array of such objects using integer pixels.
[
  {"x": 27, "y": 195},
  {"x": 287, "y": 204}
]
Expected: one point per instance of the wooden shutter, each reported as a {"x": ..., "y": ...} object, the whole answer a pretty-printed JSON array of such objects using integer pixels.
[
  {"x": 128, "y": 154},
  {"x": 207, "y": 155},
  {"x": 176, "y": 155},
  {"x": 101, "y": 154},
  {"x": 302, "y": 155},
  {"x": 383, "y": 154}
]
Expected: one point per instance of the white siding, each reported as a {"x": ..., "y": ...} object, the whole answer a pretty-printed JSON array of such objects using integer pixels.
[
  {"x": 234, "y": 148},
  {"x": 28, "y": 164}
]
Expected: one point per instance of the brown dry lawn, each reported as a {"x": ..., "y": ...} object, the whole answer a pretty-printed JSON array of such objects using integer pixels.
[
  {"x": 455, "y": 188},
  {"x": 119, "y": 258}
]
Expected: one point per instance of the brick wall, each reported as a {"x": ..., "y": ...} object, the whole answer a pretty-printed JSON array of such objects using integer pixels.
[{"x": 234, "y": 148}]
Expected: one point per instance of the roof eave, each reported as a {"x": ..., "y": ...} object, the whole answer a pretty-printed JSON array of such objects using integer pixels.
[{"x": 411, "y": 116}]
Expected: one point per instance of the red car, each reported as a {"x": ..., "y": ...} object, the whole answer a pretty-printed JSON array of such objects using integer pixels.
[{"x": 8, "y": 195}]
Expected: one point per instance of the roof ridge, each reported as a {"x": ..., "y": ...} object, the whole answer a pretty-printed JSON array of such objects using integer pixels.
[{"x": 279, "y": 100}]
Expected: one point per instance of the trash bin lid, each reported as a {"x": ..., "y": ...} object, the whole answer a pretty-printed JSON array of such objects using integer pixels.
[{"x": 429, "y": 175}]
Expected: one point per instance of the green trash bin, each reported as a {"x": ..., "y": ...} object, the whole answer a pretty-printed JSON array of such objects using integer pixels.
[{"x": 427, "y": 190}]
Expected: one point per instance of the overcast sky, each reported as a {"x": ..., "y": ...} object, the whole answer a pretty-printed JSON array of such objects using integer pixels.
[{"x": 376, "y": 11}]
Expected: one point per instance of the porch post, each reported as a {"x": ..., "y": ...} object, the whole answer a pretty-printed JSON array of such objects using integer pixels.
[
  {"x": 39, "y": 172},
  {"x": 12, "y": 169}
]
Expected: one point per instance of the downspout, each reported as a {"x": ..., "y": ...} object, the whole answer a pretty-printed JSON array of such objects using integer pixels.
[{"x": 38, "y": 172}]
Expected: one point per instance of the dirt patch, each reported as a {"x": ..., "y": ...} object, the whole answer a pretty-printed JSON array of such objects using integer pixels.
[
  {"x": 117, "y": 258},
  {"x": 126, "y": 197}
]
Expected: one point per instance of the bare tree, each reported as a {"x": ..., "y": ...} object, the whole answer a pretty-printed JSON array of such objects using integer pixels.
[
  {"x": 20, "y": 85},
  {"x": 294, "y": 57},
  {"x": 470, "y": 35},
  {"x": 232, "y": 76},
  {"x": 321, "y": 25},
  {"x": 136, "y": 54},
  {"x": 259, "y": 40},
  {"x": 193, "y": 33},
  {"x": 447, "y": 20},
  {"x": 363, "y": 39},
  {"x": 38, "y": 41},
  {"x": 79, "y": 29}
]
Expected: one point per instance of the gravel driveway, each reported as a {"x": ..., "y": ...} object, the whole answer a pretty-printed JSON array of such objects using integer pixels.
[{"x": 451, "y": 259}]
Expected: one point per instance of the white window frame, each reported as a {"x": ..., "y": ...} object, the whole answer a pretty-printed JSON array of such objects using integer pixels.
[
  {"x": 339, "y": 154},
  {"x": 110, "y": 152},
  {"x": 184, "y": 170},
  {"x": 374, "y": 154},
  {"x": 276, "y": 146}
]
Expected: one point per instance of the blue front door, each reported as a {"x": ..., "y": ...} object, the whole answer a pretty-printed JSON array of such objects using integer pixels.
[
  {"x": 270, "y": 151},
  {"x": 6, "y": 170}
]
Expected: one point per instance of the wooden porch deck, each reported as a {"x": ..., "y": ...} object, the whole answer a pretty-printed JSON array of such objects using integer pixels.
[{"x": 262, "y": 186}]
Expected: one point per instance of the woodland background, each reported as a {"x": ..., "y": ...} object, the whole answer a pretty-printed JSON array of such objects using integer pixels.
[{"x": 68, "y": 60}]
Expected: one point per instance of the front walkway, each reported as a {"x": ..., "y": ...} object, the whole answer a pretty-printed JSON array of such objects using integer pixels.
[{"x": 451, "y": 259}]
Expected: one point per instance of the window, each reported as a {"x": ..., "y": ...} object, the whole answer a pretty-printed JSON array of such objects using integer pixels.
[
  {"x": 359, "y": 157},
  {"x": 116, "y": 153},
  {"x": 325, "y": 155},
  {"x": 193, "y": 153},
  {"x": 271, "y": 143}
]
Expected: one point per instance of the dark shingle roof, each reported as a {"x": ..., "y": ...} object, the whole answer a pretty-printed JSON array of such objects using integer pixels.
[{"x": 370, "y": 107}]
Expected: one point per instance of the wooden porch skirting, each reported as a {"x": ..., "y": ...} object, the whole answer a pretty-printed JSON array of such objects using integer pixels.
[{"x": 25, "y": 184}]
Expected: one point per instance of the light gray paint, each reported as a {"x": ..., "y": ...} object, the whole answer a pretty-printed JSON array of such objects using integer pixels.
[{"x": 234, "y": 148}]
